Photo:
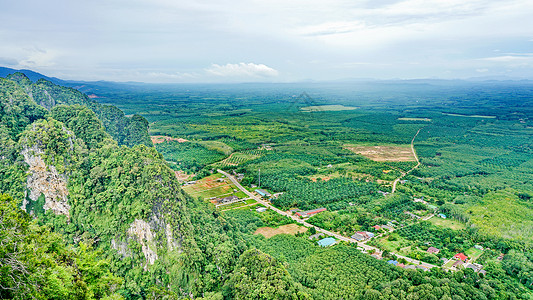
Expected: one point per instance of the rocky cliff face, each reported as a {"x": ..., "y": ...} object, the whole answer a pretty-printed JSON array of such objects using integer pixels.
[
  {"x": 47, "y": 181},
  {"x": 140, "y": 230}
]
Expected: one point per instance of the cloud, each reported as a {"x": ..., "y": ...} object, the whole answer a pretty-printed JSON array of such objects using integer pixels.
[
  {"x": 38, "y": 58},
  {"x": 6, "y": 61},
  {"x": 171, "y": 76},
  {"x": 511, "y": 57},
  {"x": 242, "y": 70}
]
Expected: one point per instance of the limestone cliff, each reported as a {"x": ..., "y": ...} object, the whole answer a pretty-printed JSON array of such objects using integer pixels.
[{"x": 47, "y": 181}]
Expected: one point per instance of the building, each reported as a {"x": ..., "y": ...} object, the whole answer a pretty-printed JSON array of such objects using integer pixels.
[
  {"x": 442, "y": 216},
  {"x": 386, "y": 227},
  {"x": 376, "y": 227},
  {"x": 460, "y": 256},
  {"x": 433, "y": 250},
  {"x": 422, "y": 268},
  {"x": 262, "y": 192},
  {"x": 457, "y": 264},
  {"x": 400, "y": 265},
  {"x": 308, "y": 213},
  {"x": 475, "y": 267},
  {"x": 316, "y": 235},
  {"x": 392, "y": 262},
  {"x": 326, "y": 242},
  {"x": 410, "y": 267},
  {"x": 478, "y": 247},
  {"x": 227, "y": 199},
  {"x": 261, "y": 209},
  {"x": 358, "y": 237}
]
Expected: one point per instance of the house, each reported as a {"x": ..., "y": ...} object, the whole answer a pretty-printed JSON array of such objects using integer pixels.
[
  {"x": 376, "y": 227},
  {"x": 433, "y": 250},
  {"x": 358, "y": 237},
  {"x": 478, "y": 247},
  {"x": 326, "y": 242},
  {"x": 457, "y": 264},
  {"x": 227, "y": 199},
  {"x": 369, "y": 234},
  {"x": 460, "y": 256},
  {"x": 400, "y": 265},
  {"x": 386, "y": 227},
  {"x": 442, "y": 216},
  {"x": 261, "y": 209},
  {"x": 422, "y": 268},
  {"x": 475, "y": 267},
  {"x": 412, "y": 215},
  {"x": 316, "y": 235},
  {"x": 308, "y": 213},
  {"x": 262, "y": 192},
  {"x": 392, "y": 262},
  {"x": 410, "y": 267}
]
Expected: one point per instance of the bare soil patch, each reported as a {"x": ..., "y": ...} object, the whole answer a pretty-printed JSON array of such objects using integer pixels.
[
  {"x": 158, "y": 139},
  {"x": 269, "y": 232},
  {"x": 182, "y": 176},
  {"x": 384, "y": 153}
]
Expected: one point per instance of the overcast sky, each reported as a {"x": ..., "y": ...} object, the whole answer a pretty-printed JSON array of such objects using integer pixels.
[{"x": 267, "y": 40}]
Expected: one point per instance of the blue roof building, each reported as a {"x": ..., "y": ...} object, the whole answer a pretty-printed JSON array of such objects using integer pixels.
[
  {"x": 442, "y": 216},
  {"x": 263, "y": 193},
  {"x": 327, "y": 242},
  {"x": 392, "y": 262}
]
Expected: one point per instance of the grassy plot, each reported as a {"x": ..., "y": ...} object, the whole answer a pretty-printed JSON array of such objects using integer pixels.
[
  {"x": 448, "y": 223},
  {"x": 473, "y": 253}
]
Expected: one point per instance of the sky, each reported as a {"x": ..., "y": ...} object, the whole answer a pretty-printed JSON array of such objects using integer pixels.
[{"x": 268, "y": 40}]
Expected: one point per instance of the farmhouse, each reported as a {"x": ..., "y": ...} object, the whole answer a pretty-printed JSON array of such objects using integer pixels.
[
  {"x": 461, "y": 256},
  {"x": 475, "y": 267},
  {"x": 433, "y": 250},
  {"x": 457, "y": 264},
  {"x": 261, "y": 209},
  {"x": 308, "y": 213},
  {"x": 227, "y": 199},
  {"x": 262, "y": 192},
  {"x": 362, "y": 235},
  {"x": 316, "y": 235},
  {"x": 376, "y": 227},
  {"x": 327, "y": 242}
]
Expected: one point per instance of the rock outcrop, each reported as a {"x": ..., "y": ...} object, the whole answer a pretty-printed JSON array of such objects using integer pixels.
[
  {"x": 47, "y": 181},
  {"x": 141, "y": 231}
]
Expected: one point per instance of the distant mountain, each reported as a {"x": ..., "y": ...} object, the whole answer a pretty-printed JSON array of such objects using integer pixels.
[{"x": 32, "y": 75}]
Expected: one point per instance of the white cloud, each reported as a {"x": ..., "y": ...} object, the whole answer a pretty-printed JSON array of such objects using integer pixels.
[{"x": 242, "y": 70}]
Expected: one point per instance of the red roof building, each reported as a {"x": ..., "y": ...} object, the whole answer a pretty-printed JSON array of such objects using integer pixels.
[
  {"x": 376, "y": 227},
  {"x": 305, "y": 214},
  {"x": 461, "y": 256}
]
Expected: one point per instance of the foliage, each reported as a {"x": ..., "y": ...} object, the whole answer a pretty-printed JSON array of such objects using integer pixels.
[{"x": 35, "y": 263}]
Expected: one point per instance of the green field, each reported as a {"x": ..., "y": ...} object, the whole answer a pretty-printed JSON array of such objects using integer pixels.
[
  {"x": 473, "y": 254},
  {"x": 448, "y": 223}
]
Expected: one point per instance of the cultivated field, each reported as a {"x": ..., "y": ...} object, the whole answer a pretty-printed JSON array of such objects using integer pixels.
[
  {"x": 237, "y": 158},
  {"x": 269, "y": 232},
  {"x": 209, "y": 187},
  {"x": 384, "y": 153},
  {"x": 158, "y": 139}
]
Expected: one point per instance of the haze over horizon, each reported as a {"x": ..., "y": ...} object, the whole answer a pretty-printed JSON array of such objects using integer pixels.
[{"x": 268, "y": 41}]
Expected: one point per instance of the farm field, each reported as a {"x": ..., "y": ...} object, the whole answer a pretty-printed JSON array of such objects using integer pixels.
[
  {"x": 212, "y": 186},
  {"x": 269, "y": 232},
  {"x": 384, "y": 153},
  {"x": 473, "y": 253}
]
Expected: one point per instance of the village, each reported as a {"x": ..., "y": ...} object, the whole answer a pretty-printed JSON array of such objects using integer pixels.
[{"x": 224, "y": 191}]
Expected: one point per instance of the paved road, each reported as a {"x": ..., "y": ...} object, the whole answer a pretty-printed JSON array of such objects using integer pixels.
[
  {"x": 417, "y": 163},
  {"x": 318, "y": 229}
]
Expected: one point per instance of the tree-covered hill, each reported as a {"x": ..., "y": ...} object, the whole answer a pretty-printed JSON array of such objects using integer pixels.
[{"x": 125, "y": 130}]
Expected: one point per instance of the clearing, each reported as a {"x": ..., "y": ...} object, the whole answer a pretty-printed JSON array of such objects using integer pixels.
[
  {"x": 415, "y": 119},
  {"x": 448, "y": 223},
  {"x": 384, "y": 153},
  {"x": 269, "y": 232},
  {"x": 182, "y": 176},
  {"x": 327, "y": 108},
  {"x": 212, "y": 186},
  {"x": 158, "y": 139}
]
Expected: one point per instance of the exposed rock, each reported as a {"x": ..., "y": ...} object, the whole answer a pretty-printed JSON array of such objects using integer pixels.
[
  {"x": 121, "y": 247},
  {"x": 171, "y": 244},
  {"x": 141, "y": 231},
  {"x": 47, "y": 181}
]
